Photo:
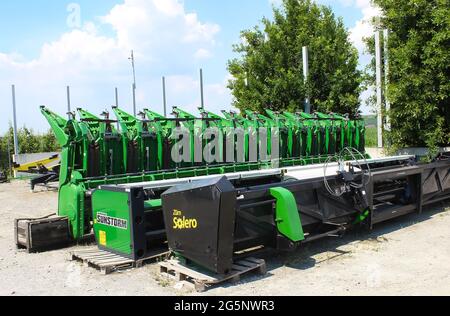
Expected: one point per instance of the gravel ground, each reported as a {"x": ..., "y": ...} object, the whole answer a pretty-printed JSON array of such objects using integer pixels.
[{"x": 409, "y": 256}]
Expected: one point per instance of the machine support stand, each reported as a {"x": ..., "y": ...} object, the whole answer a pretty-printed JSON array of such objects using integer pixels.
[{"x": 202, "y": 280}]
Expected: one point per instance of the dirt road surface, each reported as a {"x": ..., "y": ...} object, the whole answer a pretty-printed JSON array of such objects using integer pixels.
[{"x": 409, "y": 256}]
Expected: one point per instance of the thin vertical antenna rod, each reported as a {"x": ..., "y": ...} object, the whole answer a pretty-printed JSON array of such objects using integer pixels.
[
  {"x": 134, "y": 100},
  {"x": 134, "y": 82},
  {"x": 379, "y": 83},
  {"x": 117, "y": 105},
  {"x": 386, "y": 78},
  {"x": 117, "y": 97},
  {"x": 201, "y": 89},
  {"x": 164, "y": 96},
  {"x": 69, "y": 109},
  {"x": 306, "y": 77},
  {"x": 16, "y": 139}
]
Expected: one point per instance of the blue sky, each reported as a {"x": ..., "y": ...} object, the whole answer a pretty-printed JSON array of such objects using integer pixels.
[{"x": 46, "y": 45}]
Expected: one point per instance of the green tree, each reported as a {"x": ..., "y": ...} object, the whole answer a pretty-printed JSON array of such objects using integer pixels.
[
  {"x": 29, "y": 143},
  {"x": 3, "y": 154},
  {"x": 49, "y": 143},
  {"x": 419, "y": 76},
  {"x": 6, "y": 142},
  {"x": 269, "y": 71}
]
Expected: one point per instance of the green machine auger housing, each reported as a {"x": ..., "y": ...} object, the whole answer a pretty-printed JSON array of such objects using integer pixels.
[
  {"x": 142, "y": 143},
  {"x": 163, "y": 127},
  {"x": 302, "y": 135},
  {"x": 76, "y": 164},
  {"x": 239, "y": 123},
  {"x": 289, "y": 140},
  {"x": 105, "y": 143}
]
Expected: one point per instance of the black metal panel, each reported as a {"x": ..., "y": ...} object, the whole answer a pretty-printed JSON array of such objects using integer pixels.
[
  {"x": 43, "y": 179},
  {"x": 93, "y": 160},
  {"x": 137, "y": 223},
  {"x": 200, "y": 222},
  {"x": 436, "y": 181},
  {"x": 394, "y": 192},
  {"x": 132, "y": 157}
]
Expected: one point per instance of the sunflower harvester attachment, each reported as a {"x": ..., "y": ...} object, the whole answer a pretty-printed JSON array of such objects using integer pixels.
[
  {"x": 95, "y": 152},
  {"x": 213, "y": 214},
  {"x": 128, "y": 187}
]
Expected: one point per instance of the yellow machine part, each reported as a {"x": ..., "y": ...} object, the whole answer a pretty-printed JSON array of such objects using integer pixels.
[{"x": 36, "y": 164}]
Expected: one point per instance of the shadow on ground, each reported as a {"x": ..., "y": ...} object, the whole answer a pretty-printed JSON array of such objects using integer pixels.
[{"x": 304, "y": 258}]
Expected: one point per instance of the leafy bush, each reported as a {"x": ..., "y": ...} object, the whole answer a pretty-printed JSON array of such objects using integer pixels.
[
  {"x": 29, "y": 143},
  {"x": 419, "y": 76},
  {"x": 269, "y": 71}
]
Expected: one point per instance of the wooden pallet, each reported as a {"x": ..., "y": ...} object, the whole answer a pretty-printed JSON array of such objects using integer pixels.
[
  {"x": 202, "y": 280},
  {"x": 108, "y": 263}
]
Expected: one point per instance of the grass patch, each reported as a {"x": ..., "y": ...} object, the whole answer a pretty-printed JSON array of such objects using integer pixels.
[
  {"x": 371, "y": 137},
  {"x": 371, "y": 120}
]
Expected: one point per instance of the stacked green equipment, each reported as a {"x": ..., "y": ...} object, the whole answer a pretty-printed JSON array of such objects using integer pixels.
[
  {"x": 142, "y": 144},
  {"x": 105, "y": 143},
  {"x": 289, "y": 143},
  {"x": 163, "y": 128},
  {"x": 95, "y": 152},
  {"x": 219, "y": 127}
]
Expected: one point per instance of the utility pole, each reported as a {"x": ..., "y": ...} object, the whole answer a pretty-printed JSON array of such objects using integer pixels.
[
  {"x": 306, "y": 77},
  {"x": 117, "y": 105},
  {"x": 117, "y": 97},
  {"x": 379, "y": 83},
  {"x": 386, "y": 77},
  {"x": 134, "y": 82},
  {"x": 201, "y": 89},
  {"x": 69, "y": 110},
  {"x": 16, "y": 139},
  {"x": 164, "y": 96}
]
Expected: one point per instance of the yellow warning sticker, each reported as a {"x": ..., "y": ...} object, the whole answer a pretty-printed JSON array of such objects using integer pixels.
[{"x": 102, "y": 237}]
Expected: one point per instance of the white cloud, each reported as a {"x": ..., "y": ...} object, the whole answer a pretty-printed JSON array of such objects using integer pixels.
[
  {"x": 166, "y": 39},
  {"x": 202, "y": 54},
  {"x": 346, "y": 3},
  {"x": 164, "y": 36},
  {"x": 363, "y": 27},
  {"x": 158, "y": 25},
  {"x": 217, "y": 96}
]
